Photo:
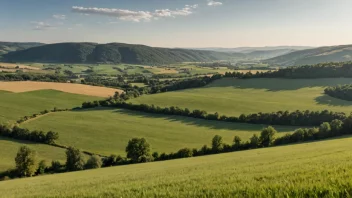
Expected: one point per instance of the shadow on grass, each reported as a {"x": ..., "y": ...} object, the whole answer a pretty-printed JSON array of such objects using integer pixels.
[
  {"x": 330, "y": 101},
  {"x": 203, "y": 123},
  {"x": 278, "y": 84},
  {"x": 19, "y": 141}
]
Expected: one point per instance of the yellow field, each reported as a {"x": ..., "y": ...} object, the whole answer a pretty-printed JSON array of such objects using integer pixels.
[
  {"x": 21, "y": 66},
  {"x": 25, "y": 86}
]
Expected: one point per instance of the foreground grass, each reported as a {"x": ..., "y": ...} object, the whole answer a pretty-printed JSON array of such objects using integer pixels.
[
  {"x": 234, "y": 96},
  {"x": 9, "y": 148},
  {"x": 107, "y": 131},
  {"x": 16, "y": 105},
  {"x": 319, "y": 169}
]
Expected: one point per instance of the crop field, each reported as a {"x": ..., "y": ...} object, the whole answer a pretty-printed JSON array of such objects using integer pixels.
[
  {"x": 318, "y": 169},
  {"x": 230, "y": 96},
  {"x": 16, "y": 105},
  {"x": 25, "y": 86},
  {"x": 107, "y": 131},
  {"x": 20, "y": 66},
  {"x": 9, "y": 148}
]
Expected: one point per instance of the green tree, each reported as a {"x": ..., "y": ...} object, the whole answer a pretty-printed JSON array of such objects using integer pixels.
[
  {"x": 136, "y": 148},
  {"x": 185, "y": 152},
  {"x": 94, "y": 162},
  {"x": 267, "y": 136},
  {"x": 55, "y": 166},
  {"x": 254, "y": 141},
  {"x": 217, "y": 143},
  {"x": 74, "y": 159},
  {"x": 26, "y": 161},
  {"x": 42, "y": 167},
  {"x": 324, "y": 130},
  {"x": 237, "y": 141},
  {"x": 51, "y": 137},
  {"x": 336, "y": 126}
]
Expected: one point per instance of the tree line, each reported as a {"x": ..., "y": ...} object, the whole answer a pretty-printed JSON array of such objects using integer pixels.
[
  {"x": 322, "y": 70},
  {"x": 25, "y": 118},
  {"x": 295, "y": 118},
  {"x": 24, "y": 134},
  {"x": 32, "y": 77},
  {"x": 343, "y": 92}
]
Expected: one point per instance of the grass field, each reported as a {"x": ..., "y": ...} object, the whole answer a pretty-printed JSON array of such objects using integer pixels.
[
  {"x": 107, "y": 131},
  {"x": 25, "y": 86},
  {"x": 234, "y": 96},
  {"x": 9, "y": 148},
  {"x": 319, "y": 169},
  {"x": 16, "y": 105}
]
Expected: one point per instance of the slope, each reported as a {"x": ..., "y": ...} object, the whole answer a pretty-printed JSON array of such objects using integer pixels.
[
  {"x": 314, "y": 56},
  {"x": 114, "y": 53},
  {"x": 318, "y": 169},
  {"x": 6, "y": 47},
  {"x": 232, "y": 97}
]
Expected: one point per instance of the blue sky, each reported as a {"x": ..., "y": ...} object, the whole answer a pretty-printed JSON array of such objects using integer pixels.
[{"x": 179, "y": 23}]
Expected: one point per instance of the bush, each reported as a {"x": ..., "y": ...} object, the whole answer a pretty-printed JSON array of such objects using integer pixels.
[
  {"x": 136, "y": 148},
  {"x": 42, "y": 167},
  {"x": 55, "y": 166},
  {"x": 94, "y": 162},
  {"x": 267, "y": 136},
  {"x": 217, "y": 144}
]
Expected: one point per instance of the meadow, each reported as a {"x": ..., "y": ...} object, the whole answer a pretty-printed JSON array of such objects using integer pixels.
[
  {"x": 26, "y": 86},
  {"x": 9, "y": 148},
  {"x": 317, "y": 169},
  {"x": 16, "y": 105},
  {"x": 107, "y": 131},
  {"x": 233, "y": 97}
]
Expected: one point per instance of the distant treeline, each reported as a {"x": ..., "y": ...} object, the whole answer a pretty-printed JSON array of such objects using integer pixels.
[
  {"x": 343, "y": 92},
  {"x": 323, "y": 70},
  {"x": 295, "y": 118},
  {"x": 32, "y": 77},
  {"x": 25, "y": 118},
  {"x": 25, "y": 134}
]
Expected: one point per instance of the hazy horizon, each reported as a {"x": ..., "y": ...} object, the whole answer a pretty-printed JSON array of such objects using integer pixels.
[{"x": 179, "y": 24}]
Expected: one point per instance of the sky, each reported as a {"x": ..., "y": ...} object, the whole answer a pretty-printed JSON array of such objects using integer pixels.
[{"x": 179, "y": 23}]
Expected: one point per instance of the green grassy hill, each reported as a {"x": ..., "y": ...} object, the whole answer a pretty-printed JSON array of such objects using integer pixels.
[
  {"x": 9, "y": 148},
  {"x": 236, "y": 96},
  {"x": 114, "y": 53},
  {"x": 107, "y": 131},
  {"x": 16, "y": 105},
  {"x": 314, "y": 56},
  {"x": 6, "y": 47},
  {"x": 319, "y": 169}
]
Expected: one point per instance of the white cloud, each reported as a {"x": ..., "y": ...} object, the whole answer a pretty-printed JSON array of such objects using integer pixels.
[
  {"x": 39, "y": 25},
  {"x": 136, "y": 16},
  {"x": 58, "y": 16},
  {"x": 214, "y": 3}
]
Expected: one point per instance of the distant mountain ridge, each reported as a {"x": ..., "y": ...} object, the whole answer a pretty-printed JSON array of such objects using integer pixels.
[
  {"x": 6, "y": 47},
  {"x": 339, "y": 53},
  {"x": 115, "y": 53}
]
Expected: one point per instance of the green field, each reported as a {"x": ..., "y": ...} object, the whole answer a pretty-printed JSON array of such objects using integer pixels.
[
  {"x": 9, "y": 148},
  {"x": 108, "y": 131},
  {"x": 317, "y": 169},
  {"x": 16, "y": 105},
  {"x": 235, "y": 96}
]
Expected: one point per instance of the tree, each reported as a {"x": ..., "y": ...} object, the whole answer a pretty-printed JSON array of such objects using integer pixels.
[
  {"x": 324, "y": 130},
  {"x": 336, "y": 126},
  {"x": 74, "y": 159},
  {"x": 267, "y": 136},
  {"x": 55, "y": 166},
  {"x": 217, "y": 143},
  {"x": 42, "y": 167},
  {"x": 26, "y": 161},
  {"x": 94, "y": 162},
  {"x": 185, "y": 152},
  {"x": 254, "y": 141},
  {"x": 136, "y": 148},
  {"x": 51, "y": 137},
  {"x": 237, "y": 142}
]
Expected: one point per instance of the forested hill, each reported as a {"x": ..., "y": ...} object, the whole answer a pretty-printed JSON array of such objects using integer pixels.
[
  {"x": 340, "y": 53},
  {"x": 114, "y": 53},
  {"x": 6, "y": 47}
]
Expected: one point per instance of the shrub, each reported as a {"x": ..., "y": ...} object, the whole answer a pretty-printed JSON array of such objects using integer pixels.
[
  {"x": 74, "y": 159},
  {"x": 94, "y": 162}
]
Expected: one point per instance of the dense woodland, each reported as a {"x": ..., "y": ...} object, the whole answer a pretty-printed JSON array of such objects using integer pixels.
[
  {"x": 32, "y": 77},
  {"x": 343, "y": 92}
]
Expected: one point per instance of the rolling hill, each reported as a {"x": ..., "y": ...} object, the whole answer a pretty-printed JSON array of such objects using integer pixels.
[
  {"x": 6, "y": 47},
  {"x": 340, "y": 53},
  {"x": 114, "y": 53},
  {"x": 317, "y": 169}
]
